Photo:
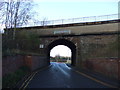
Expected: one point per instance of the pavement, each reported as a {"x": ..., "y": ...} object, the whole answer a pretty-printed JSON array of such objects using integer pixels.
[{"x": 98, "y": 76}]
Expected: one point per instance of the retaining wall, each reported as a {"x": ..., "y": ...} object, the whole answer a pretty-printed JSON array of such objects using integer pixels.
[
  {"x": 108, "y": 67},
  {"x": 12, "y": 63},
  {"x": 35, "y": 62}
]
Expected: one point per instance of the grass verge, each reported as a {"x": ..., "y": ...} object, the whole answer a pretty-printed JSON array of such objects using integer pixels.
[{"x": 11, "y": 79}]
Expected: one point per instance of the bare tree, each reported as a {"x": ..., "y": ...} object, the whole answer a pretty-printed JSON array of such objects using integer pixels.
[{"x": 15, "y": 13}]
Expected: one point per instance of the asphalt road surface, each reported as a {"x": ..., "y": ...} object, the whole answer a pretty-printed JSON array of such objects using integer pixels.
[{"x": 59, "y": 75}]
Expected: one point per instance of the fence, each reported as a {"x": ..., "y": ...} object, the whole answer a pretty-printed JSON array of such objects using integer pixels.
[{"x": 77, "y": 20}]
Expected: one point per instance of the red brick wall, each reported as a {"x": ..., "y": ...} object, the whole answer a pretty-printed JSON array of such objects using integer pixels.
[
  {"x": 11, "y": 64},
  {"x": 35, "y": 62},
  {"x": 28, "y": 61},
  {"x": 108, "y": 67}
]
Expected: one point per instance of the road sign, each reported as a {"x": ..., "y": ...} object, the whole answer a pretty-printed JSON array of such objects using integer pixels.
[{"x": 41, "y": 46}]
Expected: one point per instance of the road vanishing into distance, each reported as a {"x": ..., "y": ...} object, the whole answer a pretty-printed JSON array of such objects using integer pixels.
[{"x": 59, "y": 75}]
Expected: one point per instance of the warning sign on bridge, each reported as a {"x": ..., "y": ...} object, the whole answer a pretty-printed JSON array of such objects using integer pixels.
[{"x": 62, "y": 32}]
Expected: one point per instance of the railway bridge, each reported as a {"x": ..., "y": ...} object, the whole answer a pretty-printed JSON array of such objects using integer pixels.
[{"x": 93, "y": 45}]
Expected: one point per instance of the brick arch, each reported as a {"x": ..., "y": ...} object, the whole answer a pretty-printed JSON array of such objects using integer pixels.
[{"x": 67, "y": 43}]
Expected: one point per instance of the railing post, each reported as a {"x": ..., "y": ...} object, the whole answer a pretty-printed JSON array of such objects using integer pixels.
[
  {"x": 95, "y": 18},
  {"x": 52, "y": 22},
  {"x": 62, "y": 21}
]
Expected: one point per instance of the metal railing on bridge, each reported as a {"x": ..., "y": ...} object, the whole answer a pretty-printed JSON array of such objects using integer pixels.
[{"x": 77, "y": 20}]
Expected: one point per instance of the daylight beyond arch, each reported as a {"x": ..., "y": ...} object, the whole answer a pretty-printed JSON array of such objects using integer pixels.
[{"x": 61, "y": 50}]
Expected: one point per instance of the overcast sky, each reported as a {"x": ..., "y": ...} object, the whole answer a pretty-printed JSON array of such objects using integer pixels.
[{"x": 64, "y": 9}]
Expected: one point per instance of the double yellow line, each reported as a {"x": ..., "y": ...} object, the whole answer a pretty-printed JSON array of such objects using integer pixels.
[{"x": 27, "y": 81}]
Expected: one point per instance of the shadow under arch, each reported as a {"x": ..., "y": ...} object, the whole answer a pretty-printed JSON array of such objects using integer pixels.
[{"x": 67, "y": 43}]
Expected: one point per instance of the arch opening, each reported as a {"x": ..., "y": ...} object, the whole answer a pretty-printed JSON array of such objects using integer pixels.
[
  {"x": 64, "y": 42},
  {"x": 61, "y": 54}
]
